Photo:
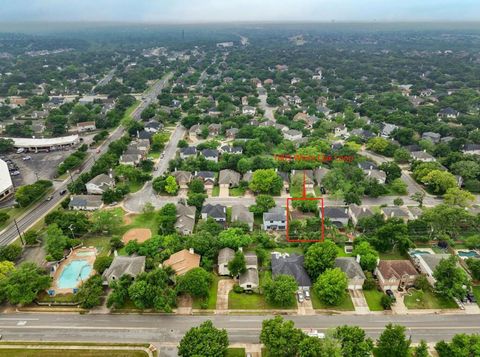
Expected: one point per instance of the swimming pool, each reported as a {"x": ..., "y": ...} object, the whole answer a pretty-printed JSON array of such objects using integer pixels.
[
  {"x": 419, "y": 252},
  {"x": 468, "y": 254},
  {"x": 74, "y": 273}
]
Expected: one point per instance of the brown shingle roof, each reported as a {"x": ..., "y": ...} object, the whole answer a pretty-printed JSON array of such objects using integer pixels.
[
  {"x": 396, "y": 268},
  {"x": 183, "y": 261}
]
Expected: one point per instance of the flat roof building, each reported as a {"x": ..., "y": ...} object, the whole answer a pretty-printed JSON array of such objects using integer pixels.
[
  {"x": 6, "y": 184},
  {"x": 46, "y": 143}
]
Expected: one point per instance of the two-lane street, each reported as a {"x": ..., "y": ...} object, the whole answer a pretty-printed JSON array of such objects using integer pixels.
[{"x": 241, "y": 328}]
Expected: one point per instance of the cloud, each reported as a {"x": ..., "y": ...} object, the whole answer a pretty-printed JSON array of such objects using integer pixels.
[{"x": 238, "y": 10}]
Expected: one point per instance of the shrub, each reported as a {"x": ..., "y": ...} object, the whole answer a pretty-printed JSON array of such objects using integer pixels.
[
  {"x": 386, "y": 302},
  {"x": 102, "y": 263},
  {"x": 237, "y": 289}
]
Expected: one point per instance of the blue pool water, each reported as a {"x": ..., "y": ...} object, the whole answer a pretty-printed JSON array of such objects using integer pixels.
[
  {"x": 73, "y": 274},
  {"x": 469, "y": 254}
]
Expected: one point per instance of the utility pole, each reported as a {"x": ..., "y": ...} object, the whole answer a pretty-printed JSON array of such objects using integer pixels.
[
  {"x": 18, "y": 230},
  {"x": 71, "y": 178}
]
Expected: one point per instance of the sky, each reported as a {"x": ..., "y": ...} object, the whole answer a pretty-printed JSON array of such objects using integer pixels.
[{"x": 181, "y": 11}]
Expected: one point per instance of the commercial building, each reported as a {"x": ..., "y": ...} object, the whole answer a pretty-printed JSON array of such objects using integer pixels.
[
  {"x": 6, "y": 185},
  {"x": 47, "y": 144}
]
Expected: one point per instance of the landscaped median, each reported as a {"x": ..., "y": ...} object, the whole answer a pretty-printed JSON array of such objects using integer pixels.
[{"x": 54, "y": 349}]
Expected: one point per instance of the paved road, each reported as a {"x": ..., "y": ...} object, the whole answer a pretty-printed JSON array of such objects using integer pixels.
[
  {"x": 105, "y": 80},
  {"x": 136, "y": 201},
  {"x": 241, "y": 329},
  {"x": 10, "y": 233}
]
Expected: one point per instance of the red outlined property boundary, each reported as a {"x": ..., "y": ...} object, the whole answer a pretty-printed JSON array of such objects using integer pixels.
[{"x": 305, "y": 198}]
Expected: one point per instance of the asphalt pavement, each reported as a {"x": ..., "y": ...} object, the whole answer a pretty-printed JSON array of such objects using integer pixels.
[{"x": 241, "y": 329}]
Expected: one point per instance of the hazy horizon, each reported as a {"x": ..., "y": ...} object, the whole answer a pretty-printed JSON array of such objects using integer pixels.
[{"x": 239, "y": 11}]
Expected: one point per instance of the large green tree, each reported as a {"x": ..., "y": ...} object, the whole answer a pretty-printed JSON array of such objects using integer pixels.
[
  {"x": 280, "y": 337},
  {"x": 451, "y": 280},
  {"x": 195, "y": 282},
  {"x": 266, "y": 181},
  {"x": 319, "y": 257},
  {"x": 204, "y": 340},
  {"x": 330, "y": 286},
  {"x": 280, "y": 291},
  {"x": 354, "y": 341},
  {"x": 393, "y": 343}
]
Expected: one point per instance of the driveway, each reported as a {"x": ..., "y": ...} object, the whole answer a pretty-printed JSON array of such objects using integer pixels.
[
  {"x": 399, "y": 308},
  {"x": 359, "y": 302},
  {"x": 224, "y": 192},
  {"x": 305, "y": 308},
  {"x": 224, "y": 287}
]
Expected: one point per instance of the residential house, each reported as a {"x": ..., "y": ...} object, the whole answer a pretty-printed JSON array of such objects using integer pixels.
[
  {"x": 235, "y": 150},
  {"x": 231, "y": 133},
  {"x": 144, "y": 134},
  {"x": 153, "y": 126},
  {"x": 123, "y": 265},
  {"x": 130, "y": 159},
  {"x": 281, "y": 127},
  {"x": 99, "y": 184},
  {"x": 142, "y": 145},
  {"x": 189, "y": 151},
  {"x": 249, "y": 279},
  {"x": 39, "y": 114},
  {"x": 85, "y": 202},
  {"x": 433, "y": 137},
  {"x": 367, "y": 165},
  {"x": 396, "y": 212},
  {"x": 249, "y": 110},
  {"x": 352, "y": 269},
  {"x": 427, "y": 263},
  {"x": 306, "y": 177},
  {"x": 388, "y": 129},
  {"x": 195, "y": 130},
  {"x": 413, "y": 148},
  {"x": 214, "y": 112},
  {"x": 471, "y": 149},
  {"x": 267, "y": 123},
  {"x": 86, "y": 126},
  {"x": 319, "y": 174},
  {"x": 422, "y": 156},
  {"x": 185, "y": 219},
  {"x": 208, "y": 178},
  {"x": 217, "y": 212},
  {"x": 275, "y": 219},
  {"x": 225, "y": 256},
  {"x": 377, "y": 175},
  {"x": 357, "y": 212},
  {"x": 365, "y": 135},
  {"x": 340, "y": 131},
  {"x": 448, "y": 113},
  {"x": 338, "y": 216},
  {"x": 214, "y": 129},
  {"x": 228, "y": 178},
  {"x": 292, "y": 265},
  {"x": 183, "y": 178},
  {"x": 247, "y": 176},
  {"x": 183, "y": 261},
  {"x": 285, "y": 179},
  {"x": 210, "y": 154},
  {"x": 395, "y": 274},
  {"x": 293, "y": 135},
  {"x": 240, "y": 213}
]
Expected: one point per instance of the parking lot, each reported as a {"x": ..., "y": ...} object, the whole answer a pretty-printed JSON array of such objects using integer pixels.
[{"x": 41, "y": 165}]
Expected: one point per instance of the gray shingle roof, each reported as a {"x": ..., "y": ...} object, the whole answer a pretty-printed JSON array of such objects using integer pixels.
[
  {"x": 350, "y": 267},
  {"x": 275, "y": 214},
  {"x": 225, "y": 255},
  {"x": 123, "y": 265},
  {"x": 214, "y": 211},
  {"x": 290, "y": 265}
]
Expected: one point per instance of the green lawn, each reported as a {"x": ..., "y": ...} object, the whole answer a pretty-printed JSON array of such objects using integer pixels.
[
  {"x": 212, "y": 296},
  {"x": 13, "y": 213},
  {"x": 69, "y": 353},
  {"x": 428, "y": 300},
  {"x": 345, "y": 305},
  {"x": 102, "y": 243},
  {"x": 135, "y": 186},
  {"x": 44, "y": 297},
  {"x": 246, "y": 301},
  {"x": 236, "y": 192},
  {"x": 143, "y": 220},
  {"x": 373, "y": 298},
  {"x": 341, "y": 252},
  {"x": 215, "y": 191},
  {"x": 393, "y": 255},
  {"x": 476, "y": 292},
  {"x": 236, "y": 352},
  {"x": 130, "y": 110}
]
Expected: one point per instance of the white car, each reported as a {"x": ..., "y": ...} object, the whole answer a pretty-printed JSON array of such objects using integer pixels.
[
  {"x": 300, "y": 297},
  {"x": 307, "y": 294},
  {"x": 315, "y": 333},
  {"x": 19, "y": 151},
  {"x": 27, "y": 158}
]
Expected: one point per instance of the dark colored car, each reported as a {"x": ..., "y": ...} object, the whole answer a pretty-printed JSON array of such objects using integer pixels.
[
  {"x": 62, "y": 192},
  {"x": 390, "y": 294},
  {"x": 471, "y": 297}
]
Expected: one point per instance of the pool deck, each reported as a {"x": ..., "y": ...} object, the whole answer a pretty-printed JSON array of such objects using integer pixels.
[
  {"x": 427, "y": 250},
  {"x": 73, "y": 256}
]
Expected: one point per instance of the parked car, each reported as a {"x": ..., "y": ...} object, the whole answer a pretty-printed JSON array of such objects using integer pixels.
[
  {"x": 49, "y": 198},
  {"x": 28, "y": 157},
  {"x": 315, "y": 333},
  {"x": 15, "y": 173},
  {"x": 21, "y": 150},
  {"x": 62, "y": 192},
  {"x": 307, "y": 294},
  {"x": 300, "y": 297},
  {"x": 390, "y": 294}
]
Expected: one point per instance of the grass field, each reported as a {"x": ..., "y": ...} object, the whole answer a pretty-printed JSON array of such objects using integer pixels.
[
  {"x": 102, "y": 243},
  {"x": 393, "y": 255},
  {"x": 236, "y": 192},
  {"x": 212, "y": 296},
  {"x": 373, "y": 298},
  {"x": 215, "y": 191},
  {"x": 428, "y": 300},
  {"x": 251, "y": 302},
  {"x": 69, "y": 353},
  {"x": 345, "y": 305},
  {"x": 236, "y": 352}
]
